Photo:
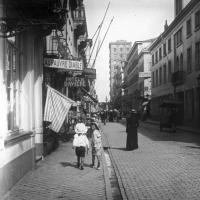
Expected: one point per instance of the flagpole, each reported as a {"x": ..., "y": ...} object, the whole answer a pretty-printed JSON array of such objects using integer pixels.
[
  {"x": 102, "y": 42},
  {"x": 99, "y": 27}
]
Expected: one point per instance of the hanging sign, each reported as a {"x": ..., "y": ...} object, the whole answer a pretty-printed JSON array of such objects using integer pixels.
[
  {"x": 74, "y": 82},
  {"x": 63, "y": 64},
  {"x": 89, "y": 73},
  {"x": 144, "y": 74}
]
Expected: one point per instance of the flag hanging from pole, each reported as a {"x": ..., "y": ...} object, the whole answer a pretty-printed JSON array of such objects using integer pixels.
[{"x": 56, "y": 108}]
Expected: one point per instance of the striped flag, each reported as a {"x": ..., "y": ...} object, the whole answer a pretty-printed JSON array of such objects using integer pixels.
[{"x": 56, "y": 108}]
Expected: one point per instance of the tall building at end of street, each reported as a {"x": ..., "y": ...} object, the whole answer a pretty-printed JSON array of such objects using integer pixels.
[
  {"x": 118, "y": 52},
  {"x": 176, "y": 64},
  {"x": 137, "y": 76}
]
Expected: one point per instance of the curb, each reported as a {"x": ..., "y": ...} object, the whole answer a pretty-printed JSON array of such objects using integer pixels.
[
  {"x": 119, "y": 179},
  {"x": 105, "y": 169},
  {"x": 106, "y": 179}
]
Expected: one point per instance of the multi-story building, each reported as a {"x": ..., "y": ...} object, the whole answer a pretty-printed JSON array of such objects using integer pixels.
[
  {"x": 24, "y": 26},
  {"x": 137, "y": 77},
  {"x": 72, "y": 44},
  {"x": 176, "y": 63},
  {"x": 118, "y": 52}
]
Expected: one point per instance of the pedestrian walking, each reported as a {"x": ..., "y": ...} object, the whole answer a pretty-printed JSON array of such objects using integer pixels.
[
  {"x": 131, "y": 129},
  {"x": 96, "y": 144},
  {"x": 81, "y": 144}
]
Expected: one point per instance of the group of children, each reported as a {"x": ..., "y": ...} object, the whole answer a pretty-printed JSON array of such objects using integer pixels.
[{"x": 81, "y": 144}]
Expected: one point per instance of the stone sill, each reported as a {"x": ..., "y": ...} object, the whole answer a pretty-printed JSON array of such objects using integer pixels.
[{"x": 17, "y": 137}]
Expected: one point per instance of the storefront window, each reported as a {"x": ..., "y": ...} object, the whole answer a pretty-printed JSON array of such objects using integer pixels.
[{"x": 11, "y": 85}]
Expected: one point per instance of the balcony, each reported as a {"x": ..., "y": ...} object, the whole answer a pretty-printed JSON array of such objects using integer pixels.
[
  {"x": 178, "y": 78},
  {"x": 79, "y": 15}
]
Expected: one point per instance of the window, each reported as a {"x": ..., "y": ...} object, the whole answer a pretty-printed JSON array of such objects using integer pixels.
[
  {"x": 169, "y": 71},
  {"x": 160, "y": 75},
  {"x": 169, "y": 45},
  {"x": 189, "y": 60},
  {"x": 177, "y": 64},
  {"x": 156, "y": 78},
  {"x": 160, "y": 53},
  {"x": 189, "y": 102},
  {"x": 181, "y": 62},
  {"x": 12, "y": 86},
  {"x": 164, "y": 73},
  {"x": 164, "y": 49},
  {"x": 197, "y": 19},
  {"x": 153, "y": 81},
  {"x": 152, "y": 59},
  {"x": 189, "y": 27},
  {"x": 178, "y": 6},
  {"x": 178, "y": 37},
  {"x": 156, "y": 56},
  {"x": 197, "y": 55}
]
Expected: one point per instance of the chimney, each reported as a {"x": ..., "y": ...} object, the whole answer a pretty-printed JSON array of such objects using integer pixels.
[{"x": 165, "y": 26}]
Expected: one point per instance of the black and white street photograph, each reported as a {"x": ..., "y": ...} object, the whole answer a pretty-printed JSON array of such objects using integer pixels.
[{"x": 99, "y": 99}]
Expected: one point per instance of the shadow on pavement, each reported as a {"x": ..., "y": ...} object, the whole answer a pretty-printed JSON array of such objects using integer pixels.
[
  {"x": 179, "y": 136},
  {"x": 69, "y": 164},
  {"x": 122, "y": 149}
]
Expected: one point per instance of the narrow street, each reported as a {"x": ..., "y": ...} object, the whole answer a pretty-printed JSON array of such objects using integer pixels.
[{"x": 165, "y": 166}]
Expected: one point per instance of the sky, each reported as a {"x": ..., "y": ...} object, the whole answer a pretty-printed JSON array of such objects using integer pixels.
[{"x": 133, "y": 20}]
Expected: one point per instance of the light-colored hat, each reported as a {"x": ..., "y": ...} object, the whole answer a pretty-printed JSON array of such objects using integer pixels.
[
  {"x": 80, "y": 128},
  {"x": 133, "y": 111}
]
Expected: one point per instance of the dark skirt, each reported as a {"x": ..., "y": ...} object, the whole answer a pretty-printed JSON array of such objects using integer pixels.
[
  {"x": 132, "y": 139},
  {"x": 80, "y": 151}
]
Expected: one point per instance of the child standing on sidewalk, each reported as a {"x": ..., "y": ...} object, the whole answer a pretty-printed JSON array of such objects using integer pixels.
[
  {"x": 96, "y": 144},
  {"x": 81, "y": 144}
]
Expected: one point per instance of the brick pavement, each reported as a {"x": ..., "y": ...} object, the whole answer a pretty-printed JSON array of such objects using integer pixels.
[
  {"x": 164, "y": 167},
  {"x": 57, "y": 177}
]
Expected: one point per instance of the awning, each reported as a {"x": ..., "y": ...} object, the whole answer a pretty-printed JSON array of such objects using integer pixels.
[{"x": 89, "y": 95}]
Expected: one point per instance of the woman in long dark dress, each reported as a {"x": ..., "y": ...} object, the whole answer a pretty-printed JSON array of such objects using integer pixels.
[{"x": 131, "y": 129}]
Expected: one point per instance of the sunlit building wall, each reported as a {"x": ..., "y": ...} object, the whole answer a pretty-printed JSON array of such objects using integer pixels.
[{"x": 176, "y": 65}]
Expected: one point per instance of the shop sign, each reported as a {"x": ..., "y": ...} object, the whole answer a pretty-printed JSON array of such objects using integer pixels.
[
  {"x": 90, "y": 76},
  {"x": 90, "y": 73},
  {"x": 63, "y": 64},
  {"x": 144, "y": 74},
  {"x": 74, "y": 82}
]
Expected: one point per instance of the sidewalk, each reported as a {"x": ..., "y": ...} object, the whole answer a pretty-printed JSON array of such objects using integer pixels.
[
  {"x": 56, "y": 177},
  {"x": 159, "y": 169},
  {"x": 182, "y": 128},
  {"x": 156, "y": 123}
]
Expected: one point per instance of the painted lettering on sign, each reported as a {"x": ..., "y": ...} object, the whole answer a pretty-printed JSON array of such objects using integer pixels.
[
  {"x": 63, "y": 64},
  {"x": 74, "y": 82}
]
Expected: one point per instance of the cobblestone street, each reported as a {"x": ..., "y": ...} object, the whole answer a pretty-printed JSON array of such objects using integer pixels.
[{"x": 164, "y": 167}]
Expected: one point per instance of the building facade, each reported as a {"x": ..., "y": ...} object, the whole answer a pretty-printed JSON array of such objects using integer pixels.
[
  {"x": 137, "y": 77},
  {"x": 118, "y": 52},
  {"x": 176, "y": 63},
  {"x": 72, "y": 44},
  {"x": 24, "y": 26}
]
